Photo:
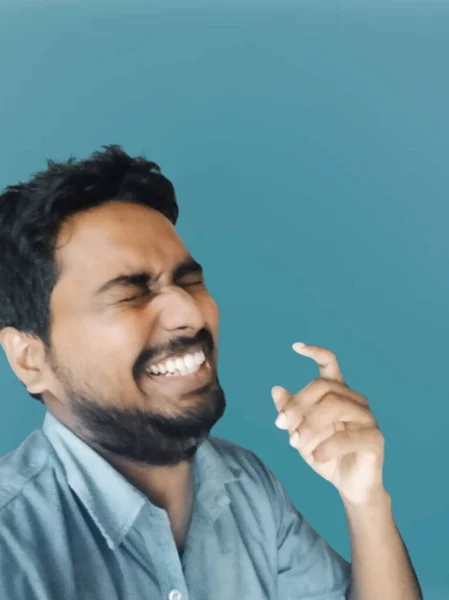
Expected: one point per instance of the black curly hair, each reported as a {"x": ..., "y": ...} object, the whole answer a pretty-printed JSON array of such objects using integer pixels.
[{"x": 32, "y": 213}]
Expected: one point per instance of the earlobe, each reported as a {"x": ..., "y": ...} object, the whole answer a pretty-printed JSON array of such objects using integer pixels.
[{"x": 23, "y": 356}]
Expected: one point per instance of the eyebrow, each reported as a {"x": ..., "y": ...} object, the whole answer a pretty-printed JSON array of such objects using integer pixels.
[{"x": 144, "y": 278}]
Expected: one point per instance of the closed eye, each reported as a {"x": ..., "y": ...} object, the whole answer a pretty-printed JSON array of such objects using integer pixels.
[
  {"x": 146, "y": 292},
  {"x": 143, "y": 294},
  {"x": 189, "y": 283}
]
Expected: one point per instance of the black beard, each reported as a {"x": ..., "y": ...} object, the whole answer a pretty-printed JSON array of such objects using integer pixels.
[{"x": 146, "y": 437}]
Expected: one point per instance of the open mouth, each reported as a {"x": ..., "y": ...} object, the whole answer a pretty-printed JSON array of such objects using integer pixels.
[{"x": 179, "y": 366}]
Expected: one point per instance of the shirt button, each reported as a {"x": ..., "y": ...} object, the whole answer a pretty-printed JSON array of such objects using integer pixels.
[{"x": 175, "y": 595}]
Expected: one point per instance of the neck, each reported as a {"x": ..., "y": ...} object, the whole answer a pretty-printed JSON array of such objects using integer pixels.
[{"x": 164, "y": 486}]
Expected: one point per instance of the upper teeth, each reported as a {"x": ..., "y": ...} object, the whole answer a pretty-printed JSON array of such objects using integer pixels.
[{"x": 184, "y": 364}]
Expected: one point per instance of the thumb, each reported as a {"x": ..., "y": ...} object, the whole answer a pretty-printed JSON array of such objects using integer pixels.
[{"x": 280, "y": 396}]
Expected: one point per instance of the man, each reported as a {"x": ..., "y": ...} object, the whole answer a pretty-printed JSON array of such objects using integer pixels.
[{"x": 105, "y": 317}]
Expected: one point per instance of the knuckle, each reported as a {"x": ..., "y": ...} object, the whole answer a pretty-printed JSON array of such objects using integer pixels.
[
  {"x": 363, "y": 400},
  {"x": 303, "y": 430},
  {"x": 329, "y": 400},
  {"x": 369, "y": 415},
  {"x": 380, "y": 436},
  {"x": 315, "y": 383},
  {"x": 289, "y": 411},
  {"x": 321, "y": 382}
]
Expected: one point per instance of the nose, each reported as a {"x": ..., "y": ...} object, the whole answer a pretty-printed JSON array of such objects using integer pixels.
[{"x": 178, "y": 310}]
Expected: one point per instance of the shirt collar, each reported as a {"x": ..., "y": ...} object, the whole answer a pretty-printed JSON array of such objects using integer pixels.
[{"x": 112, "y": 501}]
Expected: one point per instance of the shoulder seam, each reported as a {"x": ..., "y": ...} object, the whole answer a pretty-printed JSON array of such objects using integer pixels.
[{"x": 36, "y": 474}]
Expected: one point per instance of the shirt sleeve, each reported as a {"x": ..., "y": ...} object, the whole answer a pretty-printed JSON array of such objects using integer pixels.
[{"x": 308, "y": 568}]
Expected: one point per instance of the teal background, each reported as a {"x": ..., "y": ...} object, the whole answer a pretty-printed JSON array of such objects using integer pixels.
[{"x": 308, "y": 145}]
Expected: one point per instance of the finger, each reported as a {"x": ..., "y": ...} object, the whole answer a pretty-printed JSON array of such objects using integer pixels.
[
  {"x": 368, "y": 440},
  {"x": 280, "y": 396},
  {"x": 331, "y": 409},
  {"x": 303, "y": 402},
  {"x": 326, "y": 360},
  {"x": 305, "y": 445}
]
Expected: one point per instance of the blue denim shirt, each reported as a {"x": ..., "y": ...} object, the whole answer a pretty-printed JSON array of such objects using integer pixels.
[{"x": 73, "y": 528}]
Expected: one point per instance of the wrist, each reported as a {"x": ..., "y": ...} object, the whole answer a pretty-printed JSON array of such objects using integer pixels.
[{"x": 378, "y": 500}]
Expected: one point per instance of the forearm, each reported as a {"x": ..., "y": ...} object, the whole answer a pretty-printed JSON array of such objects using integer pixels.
[{"x": 381, "y": 567}]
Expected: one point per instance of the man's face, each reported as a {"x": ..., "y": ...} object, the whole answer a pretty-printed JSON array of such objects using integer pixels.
[{"x": 106, "y": 338}]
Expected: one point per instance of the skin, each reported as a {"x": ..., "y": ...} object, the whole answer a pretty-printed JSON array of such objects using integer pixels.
[{"x": 93, "y": 381}]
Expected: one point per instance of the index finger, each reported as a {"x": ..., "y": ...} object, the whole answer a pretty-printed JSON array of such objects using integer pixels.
[{"x": 325, "y": 359}]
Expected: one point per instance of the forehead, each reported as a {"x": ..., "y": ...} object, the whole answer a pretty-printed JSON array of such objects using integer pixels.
[{"x": 98, "y": 243}]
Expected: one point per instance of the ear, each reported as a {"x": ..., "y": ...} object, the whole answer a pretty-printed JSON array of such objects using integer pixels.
[{"x": 26, "y": 356}]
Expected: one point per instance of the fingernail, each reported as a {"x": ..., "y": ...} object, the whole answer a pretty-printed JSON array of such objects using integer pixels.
[
  {"x": 276, "y": 391},
  {"x": 281, "y": 421},
  {"x": 294, "y": 440},
  {"x": 299, "y": 346}
]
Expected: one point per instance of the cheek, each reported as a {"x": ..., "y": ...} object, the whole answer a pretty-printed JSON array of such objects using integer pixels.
[
  {"x": 123, "y": 340},
  {"x": 114, "y": 342},
  {"x": 211, "y": 314}
]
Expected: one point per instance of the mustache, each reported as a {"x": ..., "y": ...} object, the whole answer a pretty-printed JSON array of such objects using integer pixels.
[{"x": 180, "y": 345}]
